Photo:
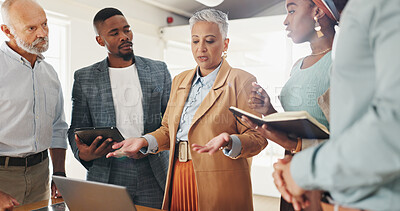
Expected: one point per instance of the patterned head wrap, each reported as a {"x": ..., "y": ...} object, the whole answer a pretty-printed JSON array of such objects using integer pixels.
[{"x": 329, "y": 8}]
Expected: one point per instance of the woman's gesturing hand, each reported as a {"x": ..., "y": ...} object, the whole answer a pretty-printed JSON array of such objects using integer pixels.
[
  {"x": 218, "y": 142},
  {"x": 129, "y": 148}
]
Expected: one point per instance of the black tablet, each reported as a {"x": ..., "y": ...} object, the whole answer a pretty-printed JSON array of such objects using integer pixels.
[{"x": 88, "y": 134}]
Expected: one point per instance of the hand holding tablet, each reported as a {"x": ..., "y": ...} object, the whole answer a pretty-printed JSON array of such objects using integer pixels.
[
  {"x": 96, "y": 142},
  {"x": 88, "y": 134}
]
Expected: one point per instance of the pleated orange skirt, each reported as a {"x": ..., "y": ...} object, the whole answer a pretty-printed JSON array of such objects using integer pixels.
[{"x": 184, "y": 188}]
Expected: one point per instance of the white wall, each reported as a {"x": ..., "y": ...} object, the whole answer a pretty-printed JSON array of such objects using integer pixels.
[
  {"x": 277, "y": 9},
  {"x": 145, "y": 21}
]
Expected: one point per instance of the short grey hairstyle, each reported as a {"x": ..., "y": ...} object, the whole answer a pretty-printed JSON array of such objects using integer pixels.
[
  {"x": 5, "y": 9},
  {"x": 214, "y": 16}
]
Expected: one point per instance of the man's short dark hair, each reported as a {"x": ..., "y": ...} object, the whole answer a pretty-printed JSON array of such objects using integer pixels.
[{"x": 105, "y": 14}]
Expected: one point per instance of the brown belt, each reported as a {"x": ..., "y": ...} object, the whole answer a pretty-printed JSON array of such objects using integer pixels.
[
  {"x": 330, "y": 207},
  {"x": 182, "y": 151},
  {"x": 28, "y": 161}
]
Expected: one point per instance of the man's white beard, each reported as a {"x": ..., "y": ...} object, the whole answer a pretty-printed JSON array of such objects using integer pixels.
[
  {"x": 30, "y": 48},
  {"x": 33, "y": 48}
]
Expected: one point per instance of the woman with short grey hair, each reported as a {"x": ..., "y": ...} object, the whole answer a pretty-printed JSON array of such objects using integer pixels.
[
  {"x": 212, "y": 16},
  {"x": 197, "y": 119}
]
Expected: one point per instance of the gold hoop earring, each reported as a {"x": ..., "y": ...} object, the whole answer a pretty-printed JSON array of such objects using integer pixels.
[
  {"x": 317, "y": 28},
  {"x": 225, "y": 54}
]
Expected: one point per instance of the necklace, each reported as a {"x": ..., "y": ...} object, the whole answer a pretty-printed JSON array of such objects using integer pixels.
[{"x": 322, "y": 52}]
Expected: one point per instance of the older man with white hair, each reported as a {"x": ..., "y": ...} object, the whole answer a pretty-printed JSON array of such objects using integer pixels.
[{"x": 31, "y": 108}]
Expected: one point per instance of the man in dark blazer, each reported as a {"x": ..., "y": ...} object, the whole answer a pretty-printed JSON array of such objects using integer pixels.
[{"x": 126, "y": 91}]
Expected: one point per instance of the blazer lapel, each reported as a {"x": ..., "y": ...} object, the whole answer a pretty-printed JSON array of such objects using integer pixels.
[
  {"x": 144, "y": 74},
  {"x": 102, "y": 78},
  {"x": 214, "y": 93},
  {"x": 180, "y": 100}
]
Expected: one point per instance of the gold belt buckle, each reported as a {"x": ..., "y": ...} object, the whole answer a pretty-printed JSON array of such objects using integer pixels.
[{"x": 183, "y": 151}]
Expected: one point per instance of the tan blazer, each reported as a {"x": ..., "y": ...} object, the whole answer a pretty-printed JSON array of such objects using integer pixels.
[{"x": 223, "y": 183}]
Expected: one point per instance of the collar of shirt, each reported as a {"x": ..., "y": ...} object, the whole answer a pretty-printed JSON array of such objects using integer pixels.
[
  {"x": 207, "y": 80},
  {"x": 14, "y": 55}
]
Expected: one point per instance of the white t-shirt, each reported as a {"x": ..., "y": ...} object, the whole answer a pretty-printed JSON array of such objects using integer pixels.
[{"x": 127, "y": 96}]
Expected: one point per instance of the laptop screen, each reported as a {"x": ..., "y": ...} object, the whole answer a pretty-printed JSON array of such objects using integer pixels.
[{"x": 88, "y": 195}]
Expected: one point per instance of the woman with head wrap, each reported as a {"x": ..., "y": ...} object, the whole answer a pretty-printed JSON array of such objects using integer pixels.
[{"x": 310, "y": 21}]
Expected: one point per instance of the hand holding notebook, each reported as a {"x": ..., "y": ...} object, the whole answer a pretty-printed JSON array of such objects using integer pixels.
[{"x": 295, "y": 123}]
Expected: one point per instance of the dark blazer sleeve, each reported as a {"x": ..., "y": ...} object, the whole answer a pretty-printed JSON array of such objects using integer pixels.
[{"x": 80, "y": 116}]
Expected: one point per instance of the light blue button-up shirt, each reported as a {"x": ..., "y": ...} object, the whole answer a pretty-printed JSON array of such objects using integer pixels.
[
  {"x": 360, "y": 164},
  {"x": 201, "y": 86},
  {"x": 31, "y": 106}
]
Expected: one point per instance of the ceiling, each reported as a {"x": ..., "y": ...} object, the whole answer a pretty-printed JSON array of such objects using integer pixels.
[{"x": 236, "y": 9}]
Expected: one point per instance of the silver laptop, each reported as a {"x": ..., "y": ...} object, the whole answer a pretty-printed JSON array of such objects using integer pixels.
[{"x": 87, "y": 195}]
